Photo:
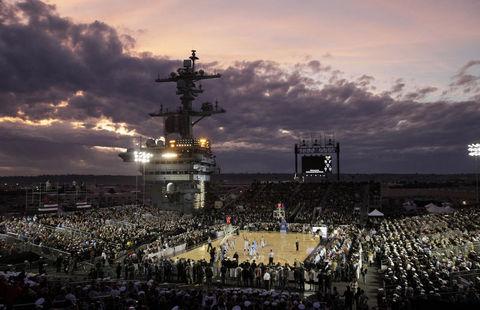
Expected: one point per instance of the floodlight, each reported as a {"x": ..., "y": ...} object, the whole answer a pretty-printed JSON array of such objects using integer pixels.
[
  {"x": 203, "y": 142},
  {"x": 169, "y": 155},
  {"x": 160, "y": 141},
  {"x": 474, "y": 149},
  {"x": 142, "y": 157}
]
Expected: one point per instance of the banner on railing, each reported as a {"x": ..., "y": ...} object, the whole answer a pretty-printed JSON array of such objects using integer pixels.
[
  {"x": 83, "y": 205},
  {"x": 49, "y": 208},
  {"x": 180, "y": 248},
  {"x": 169, "y": 251},
  {"x": 323, "y": 231}
]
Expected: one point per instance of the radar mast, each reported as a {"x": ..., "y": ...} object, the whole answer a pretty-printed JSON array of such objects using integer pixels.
[{"x": 182, "y": 120}]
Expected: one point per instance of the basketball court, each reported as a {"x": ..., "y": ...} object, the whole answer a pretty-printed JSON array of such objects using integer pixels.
[{"x": 283, "y": 245}]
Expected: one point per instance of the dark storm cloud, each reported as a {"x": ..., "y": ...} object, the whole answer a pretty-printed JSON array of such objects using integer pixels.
[
  {"x": 378, "y": 133},
  {"x": 47, "y": 58},
  {"x": 53, "y": 68}
]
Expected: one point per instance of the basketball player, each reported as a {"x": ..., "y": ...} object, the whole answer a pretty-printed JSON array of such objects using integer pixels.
[
  {"x": 262, "y": 242},
  {"x": 251, "y": 251},
  {"x": 246, "y": 245},
  {"x": 209, "y": 246}
]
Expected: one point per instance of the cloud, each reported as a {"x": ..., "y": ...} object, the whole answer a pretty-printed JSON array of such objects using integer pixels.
[
  {"x": 365, "y": 80},
  {"x": 420, "y": 93},
  {"x": 73, "y": 93},
  {"x": 465, "y": 80},
  {"x": 47, "y": 59},
  {"x": 396, "y": 88},
  {"x": 327, "y": 55},
  {"x": 377, "y": 132}
]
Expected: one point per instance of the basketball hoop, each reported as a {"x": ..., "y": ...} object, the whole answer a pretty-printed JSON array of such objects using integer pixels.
[{"x": 279, "y": 212}]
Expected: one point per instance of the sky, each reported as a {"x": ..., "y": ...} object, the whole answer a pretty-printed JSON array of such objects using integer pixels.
[{"x": 397, "y": 82}]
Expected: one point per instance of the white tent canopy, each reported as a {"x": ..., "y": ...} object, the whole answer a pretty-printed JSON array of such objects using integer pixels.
[
  {"x": 376, "y": 213},
  {"x": 432, "y": 208}
]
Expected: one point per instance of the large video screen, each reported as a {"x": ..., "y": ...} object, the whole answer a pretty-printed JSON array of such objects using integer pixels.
[{"x": 316, "y": 164}]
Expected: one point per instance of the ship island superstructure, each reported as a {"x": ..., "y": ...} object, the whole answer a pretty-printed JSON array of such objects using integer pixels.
[{"x": 176, "y": 166}]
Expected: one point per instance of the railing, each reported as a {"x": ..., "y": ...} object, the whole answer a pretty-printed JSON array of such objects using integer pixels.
[
  {"x": 118, "y": 223},
  {"x": 168, "y": 252},
  {"x": 27, "y": 246},
  {"x": 322, "y": 202},
  {"x": 463, "y": 249},
  {"x": 67, "y": 229},
  {"x": 27, "y": 266},
  {"x": 469, "y": 275},
  {"x": 182, "y": 248},
  {"x": 299, "y": 206},
  {"x": 291, "y": 215}
]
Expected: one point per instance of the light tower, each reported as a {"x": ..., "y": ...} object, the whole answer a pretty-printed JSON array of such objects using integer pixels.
[
  {"x": 474, "y": 151},
  {"x": 176, "y": 167},
  {"x": 141, "y": 157}
]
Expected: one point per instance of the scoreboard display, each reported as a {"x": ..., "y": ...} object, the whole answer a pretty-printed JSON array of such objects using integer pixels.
[{"x": 321, "y": 164}]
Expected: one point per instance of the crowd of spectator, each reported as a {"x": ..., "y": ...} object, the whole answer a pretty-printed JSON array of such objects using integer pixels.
[
  {"x": 311, "y": 203},
  {"x": 256, "y": 285},
  {"x": 339, "y": 204},
  {"x": 39, "y": 293},
  {"x": 423, "y": 259},
  {"x": 108, "y": 232},
  {"x": 429, "y": 258},
  {"x": 340, "y": 256}
]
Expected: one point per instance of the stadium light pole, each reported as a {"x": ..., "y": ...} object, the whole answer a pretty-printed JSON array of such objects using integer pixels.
[
  {"x": 143, "y": 191},
  {"x": 136, "y": 187},
  {"x": 137, "y": 143},
  {"x": 143, "y": 158},
  {"x": 474, "y": 151}
]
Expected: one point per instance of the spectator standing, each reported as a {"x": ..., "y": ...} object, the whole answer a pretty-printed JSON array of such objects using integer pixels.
[
  {"x": 266, "y": 280},
  {"x": 270, "y": 257},
  {"x": 348, "y": 294}
]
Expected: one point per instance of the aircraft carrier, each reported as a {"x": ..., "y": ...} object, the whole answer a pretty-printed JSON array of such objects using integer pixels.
[{"x": 177, "y": 165}]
